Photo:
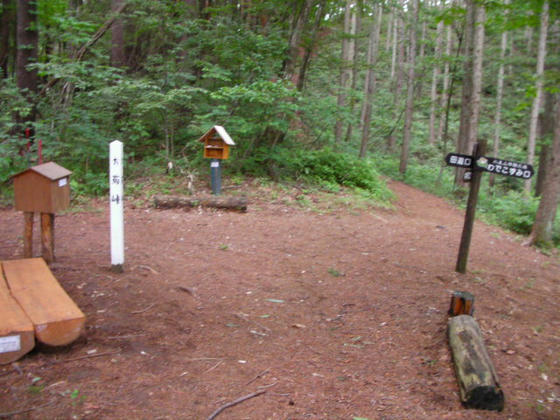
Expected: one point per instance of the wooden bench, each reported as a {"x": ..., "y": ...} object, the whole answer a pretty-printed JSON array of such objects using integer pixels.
[
  {"x": 56, "y": 318},
  {"x": 17, "y": 336}
]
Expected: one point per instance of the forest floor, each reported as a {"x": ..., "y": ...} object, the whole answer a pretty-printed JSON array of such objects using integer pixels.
[{"x": 335, "y": 310}]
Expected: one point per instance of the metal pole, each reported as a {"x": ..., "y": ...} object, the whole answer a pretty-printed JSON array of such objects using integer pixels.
[
  {"x": 216, "y": 174},
  {"x": 478, "y": 150}
]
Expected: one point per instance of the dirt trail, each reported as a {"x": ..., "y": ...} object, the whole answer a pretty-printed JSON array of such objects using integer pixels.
[{"x": 335, "y": 314}]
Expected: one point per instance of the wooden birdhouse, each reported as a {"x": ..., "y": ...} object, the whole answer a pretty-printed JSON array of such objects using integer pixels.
[
  {"x": 43, "y": 188},
  {"x": 216, "y": 143}
]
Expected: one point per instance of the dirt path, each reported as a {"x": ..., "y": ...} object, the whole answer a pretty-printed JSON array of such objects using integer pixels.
[{"x": 336, "y": 314}]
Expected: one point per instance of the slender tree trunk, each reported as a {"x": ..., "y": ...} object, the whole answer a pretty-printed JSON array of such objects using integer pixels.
[
  {"x": 27, "y": 42},
  {"x": 435, "y": 81},
  {"x": 399, "y": 75},
  {"x": 478, "y": 55},
  {"x": 390, "y": 20},
  {"x": 539, "y": 88},
  {"x": 499, "y": 99},
  {"x": 542, "y": 228},
  {"x": 369, "y": 86},
  {"x": 6, "y": 34},
  {"x": 445, "y": 88},
  {"x": 290, "y": 63},
  {"x": 117, "y": 37},
  {"x": 355, "y": 29},
  {"x": 346, "y": 67},
  {"x": 546, "y": 125},
  {"x": 410, "y": 88},
  {"x": 311, "y": 45}
]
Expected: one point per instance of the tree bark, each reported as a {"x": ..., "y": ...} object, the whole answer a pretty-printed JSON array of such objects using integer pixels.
[
  {"x": 539, "y": 89},
  {"x": 410, "y": 87},
  {"x": 345, "y": 68},
  {"x": 225, "y": 203},
  {"x": 369, "y": 85},
  {"x": 355, "y": 30},
  {"x": 478, "y": 382},
  {"x": 541, "y": 233},
  {"x": 311, "y": 45},
  {"x": 445, "y": 88},
  {"x": 435, "y": 81},
  {"x": 6, "y": 33},
  {"x": 499, "y": 99},
  {"x": 398, "y": 76},
  {"x": 117, "y": 37},
  {"x": 27, "y": 42}
]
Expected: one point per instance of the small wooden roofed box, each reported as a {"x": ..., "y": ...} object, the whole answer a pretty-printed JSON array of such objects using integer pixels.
[
  {"x": 43, "y": 188},
  {"x": 216, "y": 143}
]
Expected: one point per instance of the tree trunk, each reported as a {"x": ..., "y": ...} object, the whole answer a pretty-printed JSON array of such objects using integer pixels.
[
  {"x": 27, "y": 42},
  {"x": 6, "y": 33},
  {"x": 546, "y": 125},
  {"x": 435, "y": 81},
  {"x": 445, "y": 88},
  {"x": 290, "y": 63},
  {"x": 541, "y": 234},
  {"x": 399, "y": 75},
  {"x": 410, "y": 88},
  {"x": 311, "y": 45},
  {"x": 225, "y": 203},
  {"x": 538, "y": 88},
  {"x": 389, "y": 31},
  {"x": 117, "y": 37},
  {"x": 499, "y": 98},
  {"x": 346, "y": 67},
  {"x": 355, "y": 29},
  {"x": 369, "y": 85}
]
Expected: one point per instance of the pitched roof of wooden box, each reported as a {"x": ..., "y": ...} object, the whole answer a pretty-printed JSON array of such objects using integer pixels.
[
  {"x": 49, "y": 170},
  {"x": 221, "y": 132}
]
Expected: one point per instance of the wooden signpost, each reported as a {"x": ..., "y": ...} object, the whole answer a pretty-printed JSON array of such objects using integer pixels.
[
  {"x": 216, "y": 147},
  {"x": 116, "y": 195},
  {"x": 475, "y": 165}
]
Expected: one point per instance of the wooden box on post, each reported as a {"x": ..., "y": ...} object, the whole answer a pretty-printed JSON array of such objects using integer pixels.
[
  {"x": 216, "y": 143},
  {"x": 43, "y": 189}
]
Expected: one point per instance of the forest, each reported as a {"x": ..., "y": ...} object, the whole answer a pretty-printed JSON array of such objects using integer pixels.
[{"x": 332, "y": 93}]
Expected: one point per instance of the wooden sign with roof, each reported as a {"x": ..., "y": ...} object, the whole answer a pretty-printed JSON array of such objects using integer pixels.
[
  {"x": 43, "y": 188},
  {"x": 216, "y": 143}
]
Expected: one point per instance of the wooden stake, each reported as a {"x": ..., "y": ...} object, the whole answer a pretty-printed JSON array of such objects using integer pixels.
[
  {"x": 47, "y": 237},
  {"x": 28, "y": 234},
  {"x": 462, "y": 303},
  {"x": 478, "y": 150}
]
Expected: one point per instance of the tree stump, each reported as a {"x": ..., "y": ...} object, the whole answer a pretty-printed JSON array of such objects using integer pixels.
[
  {"x": 462, "y": 303},
  {"x": 478, "y": 382}
]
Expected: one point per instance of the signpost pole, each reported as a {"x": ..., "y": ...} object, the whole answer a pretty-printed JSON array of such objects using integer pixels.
[
  {"x": 117, "y": 205},
  {"x": 461, "y": 267},
  {"x": 216, "y": 175}
]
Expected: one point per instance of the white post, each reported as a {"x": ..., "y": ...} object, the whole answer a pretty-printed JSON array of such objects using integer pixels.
[{"x": 116, "y": 197}]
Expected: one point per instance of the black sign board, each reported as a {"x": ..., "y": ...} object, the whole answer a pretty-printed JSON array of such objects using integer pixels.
[
  {"x": 505, "y": 167},
  {"x": 456, "y": 159}
]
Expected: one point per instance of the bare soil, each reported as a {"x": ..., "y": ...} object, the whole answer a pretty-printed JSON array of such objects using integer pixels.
[{"x": 335, "y": 311}]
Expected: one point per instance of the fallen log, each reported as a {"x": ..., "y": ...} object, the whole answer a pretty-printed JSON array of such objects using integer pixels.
[
  {"x": 478, "y": 382},
  {"x": 225, "y": 203}
]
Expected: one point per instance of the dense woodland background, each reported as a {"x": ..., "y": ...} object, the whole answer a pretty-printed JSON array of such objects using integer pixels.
[{"x": 328, "y": 92}]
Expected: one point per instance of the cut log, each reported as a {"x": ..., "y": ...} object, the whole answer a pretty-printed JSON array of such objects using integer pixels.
[
  {"x": 225, "y": 203},
  {"x": 478, "y": 383},
  {"x": 17, "y": 336},
  {"x": 462, "y": 303},
  {"x": 56, "y": 318}
]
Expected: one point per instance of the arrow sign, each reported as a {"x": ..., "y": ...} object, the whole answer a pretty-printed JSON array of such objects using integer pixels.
[
  {"x": 457, "y": 159},
  {"x": 505, "y": 167}
]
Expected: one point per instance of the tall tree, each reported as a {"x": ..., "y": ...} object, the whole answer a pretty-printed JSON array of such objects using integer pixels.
[
  {"x": 347, "y": 61},
  {"x": 435, "y": 81},
  {"x": 369, "y": 85},
  {"x": 117, "y": 37},
  {"x": 499, "y": 100},
  {"x": 27, "y": 42},
  {"x": 398, "y": 73},
  {"x": 535, "y": 109},
  {"x": 541, "y": 232},
  {"x": 6, "y": 34},
  {"x": 410, "y": 87}
]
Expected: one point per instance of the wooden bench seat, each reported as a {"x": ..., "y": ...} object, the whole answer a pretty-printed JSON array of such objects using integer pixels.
[
  {"x": 17, "y": 336},
  {"x": 56, "y": 318}
]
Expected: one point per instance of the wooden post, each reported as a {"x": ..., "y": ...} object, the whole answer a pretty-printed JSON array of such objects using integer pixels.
[
  {"x": 478, "y": 150},
  {"x": 478, "y": 383},
  {"x": 462, "y": 303},
  {"x": 28, "y": 234},
  {"x": 47, "y": 237}
]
